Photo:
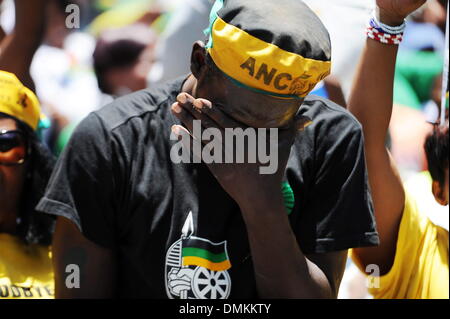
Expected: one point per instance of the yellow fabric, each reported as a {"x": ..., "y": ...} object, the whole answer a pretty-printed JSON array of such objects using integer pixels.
[
  {"x": 420, "y": 269},
  {"x": 261, "y": 65},
  {"x": 202, "y": 262},
  {"x": 18, "y": 101},
  {"x": 25, "y": 270},
  {"x": 419, "y": 187},
  {"x": 119, "y": 16}
]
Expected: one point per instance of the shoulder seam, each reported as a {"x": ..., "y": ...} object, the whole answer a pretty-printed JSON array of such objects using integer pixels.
[{"x": 341, "y": 111}]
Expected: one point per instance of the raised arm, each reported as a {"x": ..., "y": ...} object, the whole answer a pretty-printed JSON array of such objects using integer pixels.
[
  {"x": 371, "y": 102},
  {"x": 17, "y": 50}
]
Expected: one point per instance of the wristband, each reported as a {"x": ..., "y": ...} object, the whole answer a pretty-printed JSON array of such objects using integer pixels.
[
  {"x": 387, "y": 28},
  {"x": 385, "y": 34},
  {"x": 377, "y": 35}
]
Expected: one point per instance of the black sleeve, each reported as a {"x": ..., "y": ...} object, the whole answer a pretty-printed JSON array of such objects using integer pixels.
[
  {"x": 82, "y": 184},
  {"x": 338, "y": 213}
]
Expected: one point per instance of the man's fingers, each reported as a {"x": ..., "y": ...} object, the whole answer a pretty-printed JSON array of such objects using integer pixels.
[
  {"x": 185, "y": 100},
  {"x": 202, "y": 104},
  {"x": 204, "y": 127},
  {"x": 189, "y": 104},
  {"x": 204, "y": 110},
  {"x": 184, "y": 116},
  {"x": 213, "y": 112}
]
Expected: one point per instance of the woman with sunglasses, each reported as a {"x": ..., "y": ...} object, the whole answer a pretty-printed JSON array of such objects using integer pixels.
[{"x": 25, "y": 167}]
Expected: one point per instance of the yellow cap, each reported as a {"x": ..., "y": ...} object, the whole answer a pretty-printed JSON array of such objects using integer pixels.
[
  {"x": 278, "y": 48},
  {"x": 18, "y": 101}
]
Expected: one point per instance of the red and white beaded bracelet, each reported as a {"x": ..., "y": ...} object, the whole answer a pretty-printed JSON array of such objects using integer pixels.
[
  {"x": 386, "y": 38},
  {"x": 385, "y": 34}
]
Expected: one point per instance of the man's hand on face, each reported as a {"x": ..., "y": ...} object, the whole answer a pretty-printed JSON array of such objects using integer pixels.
[
  {"x": 242, "y": 181},
  {"x": 393, "y": 12}
]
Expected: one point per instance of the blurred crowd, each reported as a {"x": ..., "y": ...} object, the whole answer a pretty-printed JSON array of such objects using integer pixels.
[
  {"x": 117, "y": 48},
  {"x": 122, "y": 46},
  {"x": 125, "y": 46}
]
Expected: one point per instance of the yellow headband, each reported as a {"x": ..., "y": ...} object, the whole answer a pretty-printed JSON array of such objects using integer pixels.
[
  {"x": 262, "y": 66},
  {"x": 18, "y": 101}
]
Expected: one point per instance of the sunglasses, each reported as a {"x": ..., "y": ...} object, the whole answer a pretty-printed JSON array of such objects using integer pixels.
[{"x": 13, "y": 148}]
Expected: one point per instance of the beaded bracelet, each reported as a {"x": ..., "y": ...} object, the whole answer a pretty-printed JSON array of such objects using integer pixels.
[
  {"x": 382, "y": 37},
  {"x": 387, "y": 28},
  {"x": 385, "y": 34}
]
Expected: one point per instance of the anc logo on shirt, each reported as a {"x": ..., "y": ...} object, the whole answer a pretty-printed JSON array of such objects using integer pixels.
[{"x": 196, "y": 268}]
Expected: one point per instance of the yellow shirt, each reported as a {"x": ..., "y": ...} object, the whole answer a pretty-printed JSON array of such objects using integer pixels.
[
  {"x": 420, "y": 269},
  {"x": 25, "y": 270}
]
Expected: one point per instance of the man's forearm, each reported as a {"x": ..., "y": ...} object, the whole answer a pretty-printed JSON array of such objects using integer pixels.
[{"x": 281, "y": 268}]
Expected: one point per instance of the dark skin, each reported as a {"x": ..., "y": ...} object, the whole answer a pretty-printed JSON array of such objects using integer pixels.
[
  {"x": 131, "y": 78},
  {"x": 224, "y": 105},
  {"x": 17, "y": 49},
  {"x": 2, "y": 34},
  {"x": 371, "y": 102},
  {"x": 16, "y": 53},
  {"x": 11, "y": 186},
  {"x": 97, "y": 264}
]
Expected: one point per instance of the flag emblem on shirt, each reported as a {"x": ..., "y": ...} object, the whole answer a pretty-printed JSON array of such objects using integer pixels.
[
  {"x": 203, "y": 253},
  {"x": 197, "y": 268}
]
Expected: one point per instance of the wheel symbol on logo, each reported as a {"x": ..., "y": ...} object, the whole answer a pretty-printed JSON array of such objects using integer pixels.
[{"x": 209, "y": 284}]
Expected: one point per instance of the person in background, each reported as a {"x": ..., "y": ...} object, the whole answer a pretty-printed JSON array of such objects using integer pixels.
[
  {"x": 122, "y": 59},
  {"x": 413, "y": 254},
  {"x": 186, "y": 25},
  {"x": 25, "y": 164},
  {"x": 63, "y": 67},
  {"x": 18, "y": 48},
  {"x": 25, "y": 167},
  {"x": 62, "y": 71}
]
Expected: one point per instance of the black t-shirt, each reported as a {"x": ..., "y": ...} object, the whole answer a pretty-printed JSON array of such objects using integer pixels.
[{"x": 176, "y": 232}]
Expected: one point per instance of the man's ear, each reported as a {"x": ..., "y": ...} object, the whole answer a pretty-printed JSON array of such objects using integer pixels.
[
  {"x": 198, "y": 59},
  {"x": 438, "y": 192}
]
